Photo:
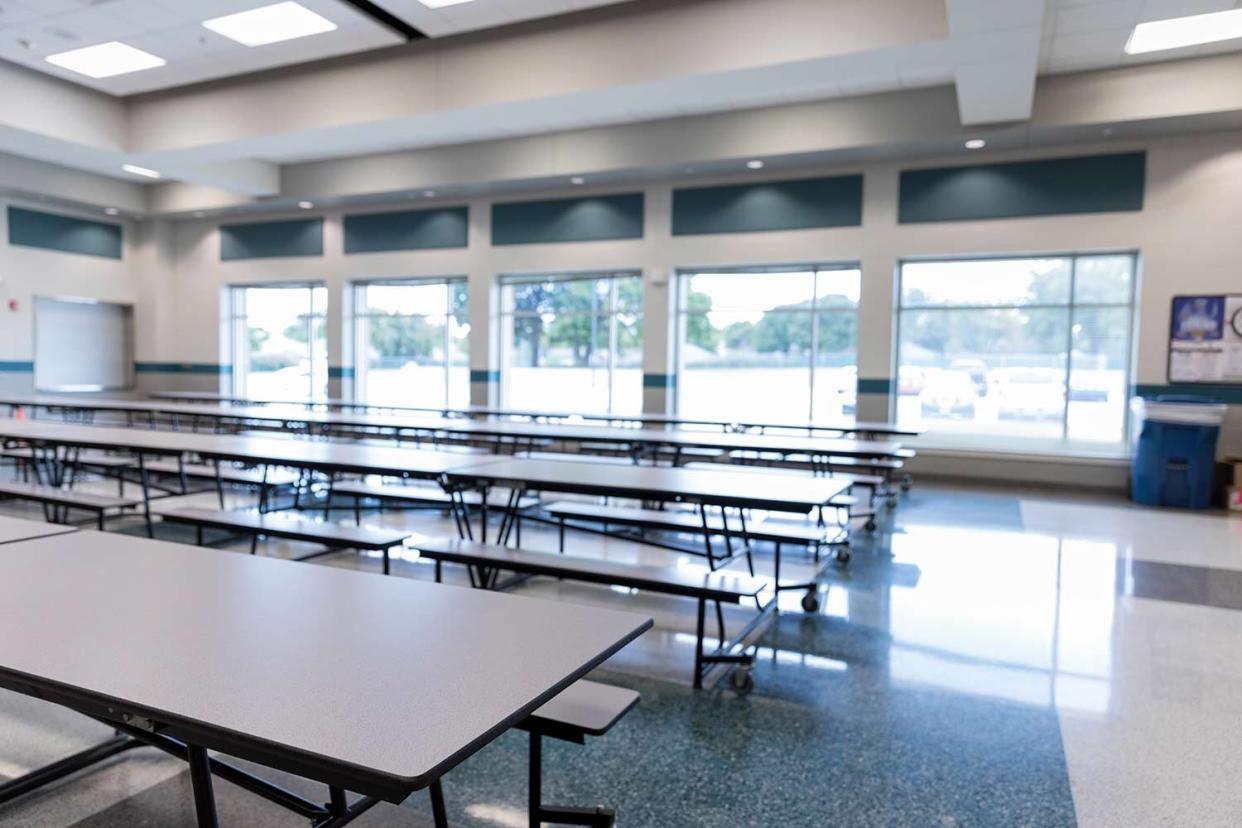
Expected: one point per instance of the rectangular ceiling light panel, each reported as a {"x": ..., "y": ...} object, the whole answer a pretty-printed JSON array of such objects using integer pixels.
[
  {"x": 104, "y": 60},
  {"x": 1179, "y": 32},
  {"x": 270, "y": 24}
]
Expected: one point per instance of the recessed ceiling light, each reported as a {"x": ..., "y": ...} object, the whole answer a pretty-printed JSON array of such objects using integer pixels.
[
  {"x": 137, "y": 170},
  {"x": 754, "y": 165},
  {"x": 105, "y": 60},
  {"x": 577, "y": 179},
  {"x": 270, "y": 24},
  {"x": 1177, "y": 32},
  {"x": 429, "y": 193},
  {"x": 976, "y": 143},
  {"x": 306, "y": 205},
  {"x": 439, "y": 4},
  {"x": 112, "y": 211}
]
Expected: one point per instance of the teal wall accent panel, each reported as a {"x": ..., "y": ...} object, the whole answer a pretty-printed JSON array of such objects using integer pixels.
[
  {"x": 1051, "y": 187},
  {"x": 874, "y": 386},
  {"x": 659, "y": 380},
  {"x": 64, "y": 234},
  {"x": 182, "y": 368},
  {"x": 340, "y": 372},
  {"x": 774, "y": 205},
  {"x": 16, "y": 367},
  {"x": 593, "y": 218},
  {"x": 271, "y": 239},
  {"x": 1231, "y": 394},
  {"x": 407, "y": 230},
  {"x": 484, "y": 376}
]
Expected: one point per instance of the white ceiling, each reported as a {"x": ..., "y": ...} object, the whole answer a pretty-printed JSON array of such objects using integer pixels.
[{"x": 30, "y": 30}]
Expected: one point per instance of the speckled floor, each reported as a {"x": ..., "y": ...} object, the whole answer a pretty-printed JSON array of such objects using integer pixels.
[{"x": 988, "y": 658}]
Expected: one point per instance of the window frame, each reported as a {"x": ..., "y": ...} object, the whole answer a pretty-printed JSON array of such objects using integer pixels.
[
  {"x": 239, "y": 342},
  {"x": 681, "y": 314},
  {"x": 359, "y": 312},
  {"x": 507, "y": 313},
  {"x": 1063, "y": 444}
]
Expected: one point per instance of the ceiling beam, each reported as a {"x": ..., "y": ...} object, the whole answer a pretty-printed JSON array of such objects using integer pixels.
[{"x": 386, "y": 19}]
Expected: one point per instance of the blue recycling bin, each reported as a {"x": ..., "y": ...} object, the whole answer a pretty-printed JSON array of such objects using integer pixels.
[{"x": 1175, "y": 452}]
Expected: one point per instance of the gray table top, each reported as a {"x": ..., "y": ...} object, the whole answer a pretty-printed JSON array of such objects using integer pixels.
[
  {"x": 376, "y": 683},
  {"x": 318, "y": 454},
  {"x": 777, "y": 492},
  {"x": 16, "y": 529}
]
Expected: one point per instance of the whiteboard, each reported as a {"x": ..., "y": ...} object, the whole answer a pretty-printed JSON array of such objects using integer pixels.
[{"x": 82, "y": 345}]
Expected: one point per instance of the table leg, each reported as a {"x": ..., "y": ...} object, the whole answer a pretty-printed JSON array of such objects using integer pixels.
[
  {"x": 200, "y": 778},
  {"x": 437, "y": 805}
]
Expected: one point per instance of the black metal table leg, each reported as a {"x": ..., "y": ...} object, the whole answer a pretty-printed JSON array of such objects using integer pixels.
[
  {"x": 438, "y": 814},
  {"x": 204, "y": 796}
]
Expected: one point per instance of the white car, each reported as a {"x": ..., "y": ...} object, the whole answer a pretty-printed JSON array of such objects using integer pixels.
[{"x": 1028, "y": 393}]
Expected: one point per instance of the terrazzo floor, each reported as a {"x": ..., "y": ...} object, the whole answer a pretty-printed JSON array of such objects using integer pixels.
[{"x": 988, "y": 658}]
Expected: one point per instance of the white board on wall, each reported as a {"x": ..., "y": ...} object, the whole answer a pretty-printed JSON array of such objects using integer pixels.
[{"x": 82, "y": 345}]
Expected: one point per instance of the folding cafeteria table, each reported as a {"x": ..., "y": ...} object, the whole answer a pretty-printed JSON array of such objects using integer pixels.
[{"x": 377, "y": 686}]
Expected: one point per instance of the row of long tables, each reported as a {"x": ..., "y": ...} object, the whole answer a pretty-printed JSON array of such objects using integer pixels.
[
  {"x": 504, "y": 432},
  {"x": 860, "y": 428}
]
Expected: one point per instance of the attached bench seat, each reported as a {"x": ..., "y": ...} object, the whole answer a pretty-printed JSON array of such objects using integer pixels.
[
  {"x": 585, "y": 708},
  {"x": 484, "y": 562},
  {"x": 332, "y": 535},
  {"x": 413, "y": 495},
  {"x": 67, "y": 499},
  {"x": 228, "y": 473}
]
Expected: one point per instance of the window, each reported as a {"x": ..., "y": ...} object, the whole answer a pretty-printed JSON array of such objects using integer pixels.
[
  {"x": 1031, "y": 348},
  {"x": 280, "y": 345},
  {"x": 770, "y": 344},
  {"x": 411, "y": 344},
  {"x": 572, "y": 342}
]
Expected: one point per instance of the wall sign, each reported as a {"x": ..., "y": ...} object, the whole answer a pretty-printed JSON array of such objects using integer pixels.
[{"x": 1205, "y": 343}]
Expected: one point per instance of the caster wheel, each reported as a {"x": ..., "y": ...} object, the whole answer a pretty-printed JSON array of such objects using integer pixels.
[
  {"x": 905, "y": 485},
  {"x": 741, "y": 681},
  {"x": 810, "y": 602},
  {"x": 843, "y": 555},
  {"x": 870, "y": 525}
]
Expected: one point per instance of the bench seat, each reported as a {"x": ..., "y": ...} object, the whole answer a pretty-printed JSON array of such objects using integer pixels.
[
  {"x": 100, "y": 504},
  {"x": 685, "y": 521},
  {"x": 228, "y": 473},
  {"x": 332, "y": 535}
]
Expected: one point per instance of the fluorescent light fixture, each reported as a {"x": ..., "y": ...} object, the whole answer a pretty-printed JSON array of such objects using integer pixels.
[
  {"x": 754, "y": 165},
  {"x": 270, "y": 24},
  {"x": 104, "y": 60},
  {"x": 1177, "y": 32},
  {"x": 306, "y": 205},
  {"x": 112, "y": 211},
  {"x": 439, "y": 4},
  {"x": 976, "y": 143},
  {"x": 137, "y": 170},
  {"x": 577, "y": 179}
]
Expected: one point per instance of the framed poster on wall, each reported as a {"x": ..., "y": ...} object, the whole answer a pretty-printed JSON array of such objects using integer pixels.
[{"x": 1205, "y": 339}]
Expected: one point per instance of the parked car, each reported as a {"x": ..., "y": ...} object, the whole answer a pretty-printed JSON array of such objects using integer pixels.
[
  {"x": 909, "y": 380},
  {"x": 1028, "y": 393},
  {"x": 948, "y": 394}
]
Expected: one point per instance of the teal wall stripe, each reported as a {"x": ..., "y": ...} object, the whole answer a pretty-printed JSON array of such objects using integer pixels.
[
  {"x": 773, "y": 205},
  {"x": 407, "y": 230},
  {"x": 64, "y": 234},
  {"x": 271, "y": 239},
  {"x": 659, "y": 380},
  {"x": 1057, "y": 186},
  {"x": 1231, "y": 394},
  {"x": 875, "y": 386},
  {"x": 596, "y": 218},
  {"x": 340, "y": 372},
  {"x": 16, "y": 367},
  {"x": 182, "y": 368},
  {"x": 484, "y": 376}
]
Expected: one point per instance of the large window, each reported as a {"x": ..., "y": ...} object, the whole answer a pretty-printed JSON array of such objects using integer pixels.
[
  {"x": 1029, "y": 348},
  {"x": 280, "y": 345},
  {"x": 572, "y": 342},
  {"x": 411, "y": 343},
  {"x": 768, "y": 345}
]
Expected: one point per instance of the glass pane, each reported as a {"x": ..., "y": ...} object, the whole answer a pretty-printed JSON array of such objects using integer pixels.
[
  {"x": 558, "y": 362},
  {"x": 629, "y": 295},
  {"x": 581, "y": 295},
  {"x": 405, "y": 360},
  {"x": 746, "y": 365},
  {"x": 1104, "y": 280},
  {"x": 459, "y": 362},
  {"x": 747, "y": 291},
  {"x": 1099, "y": 367},
  {"x": 285, "y": 345},
  {"x": 978, "y": 372},
  {"x": 838, "y": 288},
  {"x": 422, "y": 300},
  {"x": 627, "y": 374},
  {"x": 985, "y": 282},
  {"x": 459, "y": 296},
  {"x": 836, "y": 367}
]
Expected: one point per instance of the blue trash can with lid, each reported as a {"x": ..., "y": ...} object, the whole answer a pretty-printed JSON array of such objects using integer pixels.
[{"x": 1175, "y": 451}]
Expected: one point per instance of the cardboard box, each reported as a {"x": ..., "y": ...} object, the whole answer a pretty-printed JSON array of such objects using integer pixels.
[{"x": 1233, "y": 498}]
